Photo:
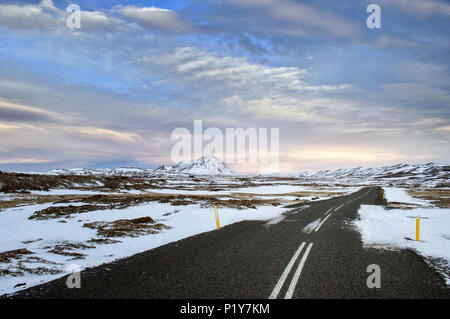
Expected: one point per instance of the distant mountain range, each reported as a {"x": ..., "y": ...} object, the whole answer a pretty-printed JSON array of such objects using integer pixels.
[
  {"x": 206, "y": 165},
  {"x": 121, "y": 171},
  {"x": 430, "y": 174}
]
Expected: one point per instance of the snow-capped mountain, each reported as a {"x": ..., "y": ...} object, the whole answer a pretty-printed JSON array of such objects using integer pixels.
[
  {"x": 430, "y": 174},
  {"x": 206, "y": 165},
  {"x": 163, "y": 169},
  {"x": 121, "y": 171}
]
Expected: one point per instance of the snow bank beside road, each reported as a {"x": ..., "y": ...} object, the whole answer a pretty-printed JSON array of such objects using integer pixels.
[
  {"x": 391, "y": 228},
  {"x": 41, "y": 236},
  {"x": 400, "y": 195}
]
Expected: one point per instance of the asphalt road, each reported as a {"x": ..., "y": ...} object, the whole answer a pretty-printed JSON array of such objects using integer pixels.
[{"x": 256, "y": 260}]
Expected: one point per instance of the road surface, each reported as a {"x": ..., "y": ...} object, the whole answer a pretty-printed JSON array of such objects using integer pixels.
[{"x": 253, "y": 259}]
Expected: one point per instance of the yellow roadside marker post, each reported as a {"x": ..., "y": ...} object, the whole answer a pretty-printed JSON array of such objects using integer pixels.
[
  {"x": 216, "y": 214},
  {"x": 418, "y": 228}
]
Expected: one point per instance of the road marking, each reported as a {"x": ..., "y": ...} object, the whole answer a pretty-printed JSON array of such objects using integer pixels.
[
  {"x": 329, "y": 210},
  {"x": 286, "y": 271},
  {"x": 321, "y": 223},
  {"x": 336, "y": 209},
  {"x": 297, "y": 274}
]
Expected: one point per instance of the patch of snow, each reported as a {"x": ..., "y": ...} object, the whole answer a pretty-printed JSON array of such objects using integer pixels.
[
  {"x": 64, "y": 191},
  {"x": 391, "y": 228},
  {"x": 311, "y": 226},
  {"x": 393, "y": 194},
  {"x": 187, "y": 221},
  {"x": 256, "y": 190}
]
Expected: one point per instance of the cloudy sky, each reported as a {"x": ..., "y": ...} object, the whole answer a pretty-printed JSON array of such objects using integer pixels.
[{"x": 110, "y": 94}]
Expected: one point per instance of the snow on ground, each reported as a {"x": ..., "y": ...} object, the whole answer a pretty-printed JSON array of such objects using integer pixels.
[
  {"x": 264, "y": 189},
  {"x": 311, "y": 226},
  {"x": 391, "y": 228},
  {"x": 393, "y": 194},
  {"x": 378, "y": 227},
  {"x": 259, "y": 190},
  {"x": 185, "y": 221},
  {"x": 64, "y": 191}
]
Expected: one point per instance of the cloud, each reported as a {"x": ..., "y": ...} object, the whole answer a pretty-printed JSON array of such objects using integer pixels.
[
  {"x": 425, "y": 73},
  {"x": 444, "y": 128},
  {"x": 153, "y": 18},
  {"x": 13, "y": 87},
  {"x": 413, "y": 94},
  {"x": 21, "y": 142},
  {"x": 386, "y": 41},
  {"x": 10, "y": 126},
  {"x": 358, "y": 154},
  {"x": 194, "y": 65},
  {"x": 103, "y": 133},
  {"x": 30, "y": 17},
  {"x": 46, "y": 17},
  {"x": 421, "y": 8},
  {"x": 243, "y": 64},
  {"x": 243, "y": 90},
  {"x": 23, "y": 113},
  {"x": 298, "y": 14},
  {"x": 24, "y": 161},
  {"x": 283, "y": 109},
  {"x": 251, "y": 46},
  {"x": 97, "y": 21}
]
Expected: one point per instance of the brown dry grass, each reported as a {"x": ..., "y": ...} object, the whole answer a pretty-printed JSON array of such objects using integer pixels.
[
  {"x": 68, "y": 249},
  {"x": 7, "y": 256},
  {"x": 127, "y": 227},
  {"x": 23, "y": 183},
  {"x": 103, "y": 241},
  {"x": 438, "y": 197},
  {"x": 63, "y": 211},
  {"x": 23, "y": 257},
  {"x": 400, "y": 205},
  {"x": 120, "y": 201}
]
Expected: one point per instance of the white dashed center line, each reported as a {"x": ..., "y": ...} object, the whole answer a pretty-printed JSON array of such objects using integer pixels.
[{"x": 321, "y": 223}]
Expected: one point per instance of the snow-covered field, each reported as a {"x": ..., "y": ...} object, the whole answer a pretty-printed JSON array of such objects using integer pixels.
[
  {"x": 43, "y": 248},
  {"x": 37, "y": 250},
  {"x": 396, "y": 228},
  {"x": 260, "y": 190},
  {"x": 41, "y": 236}
]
